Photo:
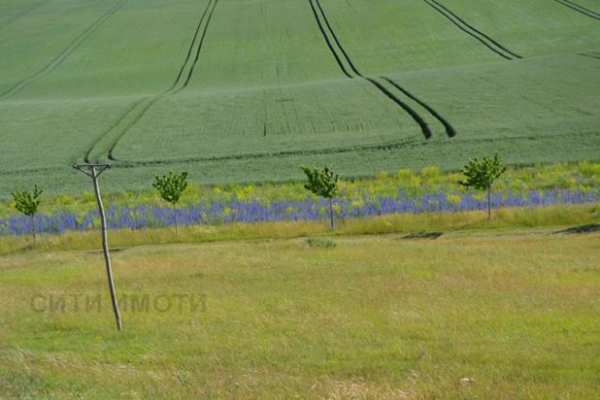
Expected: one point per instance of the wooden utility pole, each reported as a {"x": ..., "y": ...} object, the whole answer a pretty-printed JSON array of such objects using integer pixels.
[{"x": 94, "y": 171}]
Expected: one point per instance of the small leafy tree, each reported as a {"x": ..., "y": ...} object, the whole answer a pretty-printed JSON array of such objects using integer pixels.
[
  {"x": 28, "y": 203},
  {"x": 481, "y": 175},
  {"x": 171, "y": 187},
  {"x": 323, "y": 183}
]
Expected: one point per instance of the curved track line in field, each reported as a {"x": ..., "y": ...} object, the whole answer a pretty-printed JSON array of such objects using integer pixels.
[
  {"x": 414, "y": 115},
  {"x": 63, "y": 55},
  {"x": 401, "y": 144},
  {"x": 197, "y": 45},
  {"x": 580, "y": 9},
  {"x": 484, "y": 35},
  {"x": 329, "y": 45},
  {"x": 22, "y": 14},
  {"x": 240, "y": 157},
  {"x": 340, "y": 60},
  {"x": 590, "y": 55},
  {"x": 255, "y": 156},
  {"x": 131, "y": 124},
  {"x": 450, "y": 131},
  {"x": 393, "y": 145},
  {"x": 112, "y": 127},
  {"x": 191, "y": 48},
  {"x": 33, "y": 170},
  {"x": 470, "y": 30},
  {"x": 141, "y": 106},
  {"x": 337, "y": 41},
  {"x": 492, "y": 40},
  {"x": 425, "y": 129},
  {"x": 189, "y": 77}
]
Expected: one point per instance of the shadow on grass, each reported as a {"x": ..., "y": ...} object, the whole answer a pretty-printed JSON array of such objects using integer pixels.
[
  {"x": 423, "y": 235},
  {"x": 582, "y": 229},
  {"x": 23, "y": 249},
  {"x": 325, "y": 243},
  {"x": 112, "y": 250}
]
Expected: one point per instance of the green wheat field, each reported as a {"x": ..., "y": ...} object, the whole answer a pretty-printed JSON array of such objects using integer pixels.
[{"x": 237, "y": 91}]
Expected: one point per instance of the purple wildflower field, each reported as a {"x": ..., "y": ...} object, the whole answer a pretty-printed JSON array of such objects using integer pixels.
[{"x": 235, "y": 211}]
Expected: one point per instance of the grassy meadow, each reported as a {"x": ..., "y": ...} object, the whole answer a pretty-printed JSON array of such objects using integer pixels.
[
  {"x": 502, "y": 314},
  {"x": 238, "y": 91}
]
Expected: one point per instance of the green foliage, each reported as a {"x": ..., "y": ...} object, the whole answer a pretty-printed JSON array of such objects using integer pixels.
[
  {"x": 482, "y": 173},
  {"x": 324, "y": 243},
  {"x": 28, "y": 202},
  {"x": 171, "y": 186},
  {"x": 322, "y": 182}
]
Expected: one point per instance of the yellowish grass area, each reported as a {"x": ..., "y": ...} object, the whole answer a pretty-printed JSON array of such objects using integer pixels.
[{"x": 496, "y": 314}]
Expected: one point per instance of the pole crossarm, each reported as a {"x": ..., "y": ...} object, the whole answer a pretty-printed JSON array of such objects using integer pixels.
[{"x": 92, "y": 170}]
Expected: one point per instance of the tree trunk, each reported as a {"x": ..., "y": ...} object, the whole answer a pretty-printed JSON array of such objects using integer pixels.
[
  {"x": 176, "y": 226},
  {"x": 489, "y": 202},
  {"x": 331, "y": 220},
  {"x": 33, "y": 228},
  {"x": 111, "y": 283}
]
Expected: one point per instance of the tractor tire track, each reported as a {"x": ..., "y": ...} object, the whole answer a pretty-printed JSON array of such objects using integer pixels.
[
  {"x": 590, "y": 55},
  {"x": 22, "y": 14},
  {"x": 131, "y": 124},
  {"x": 331, "y": 43},
  {"x": 278, "y": 154},
  {"x": 113, "y": 126},
  {"x": 414, "y": 115},
  {"x": 337, "y": 41},
  {"x": 449, "y": 128},
  {"x": 141, "y": 106},
  {"x": 63, "y": 55},
  {"x": 492, "y": 40},
  {"x": 425, "y": 129},
  {"x": 191, "y": 48},
  {"x": 177, "y": 86},
  {"x": 191, "y": 73},
  {"x": 240, "y": 157},
  {"x": 406, "y": 144},
  {"x": 475, "y": 33},
  {"x": 33, "y": 170},
  {"x": 328, "y": 42},
  {"x": 450, "y": 131},
  {"x": 580, "y": 9}
]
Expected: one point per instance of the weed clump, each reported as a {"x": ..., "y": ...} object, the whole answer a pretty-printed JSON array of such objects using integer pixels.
[{"x": 324, "y": 243}]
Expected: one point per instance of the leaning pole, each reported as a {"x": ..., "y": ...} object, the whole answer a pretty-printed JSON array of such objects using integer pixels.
[{"x": 94, "y": 171}]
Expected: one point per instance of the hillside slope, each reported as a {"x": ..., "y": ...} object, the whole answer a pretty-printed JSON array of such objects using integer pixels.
[{"x": 235, "y": 90}]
